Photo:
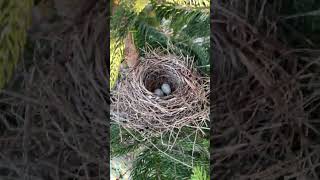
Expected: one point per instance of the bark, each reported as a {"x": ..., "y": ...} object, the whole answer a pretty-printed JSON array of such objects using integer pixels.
[{"x": 130, "y": 52}]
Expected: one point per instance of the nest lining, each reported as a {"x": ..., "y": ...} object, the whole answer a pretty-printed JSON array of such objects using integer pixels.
[{"x": 136, "y": 107}]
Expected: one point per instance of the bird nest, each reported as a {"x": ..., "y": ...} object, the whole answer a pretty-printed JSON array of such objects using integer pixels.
[{"x": 136, "y": 107}]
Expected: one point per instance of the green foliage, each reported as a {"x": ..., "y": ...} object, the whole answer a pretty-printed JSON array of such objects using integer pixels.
[
  {"x": 188, "y": 22},
  {"x": 176, "y": 163},
  {"x": 199, "y": 173},
  {"x": 191, "y": 146},
  {"x": 195, "y": 19},
  {"x": 190, "y": 26},
  {"x": 148, "y": 34},
  {"x": 192, "y": 3},
  {"x": 116, "y": 56},
  {"x": 122, "y": 142},
  {"x": 15, "y": 19},
  {"x": 140, "y": 5},
  {"x": 151, "y": 164},
  {"x": 121, "y": 22},
  {"x": 191, "y": 29}
]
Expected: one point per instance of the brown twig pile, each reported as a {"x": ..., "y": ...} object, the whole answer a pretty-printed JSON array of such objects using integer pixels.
[
  {"x": 136, "y": 107},
  {"x": 264, "y": 125}
]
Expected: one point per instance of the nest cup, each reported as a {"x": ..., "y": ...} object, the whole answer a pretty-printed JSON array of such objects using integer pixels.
[
  {"x": 136, "y": 107},
  {"x": 154, "y": 76}
]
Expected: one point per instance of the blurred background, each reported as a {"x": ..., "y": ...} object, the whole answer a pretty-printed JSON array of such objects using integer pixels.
[{"x": 54, "y": 89}]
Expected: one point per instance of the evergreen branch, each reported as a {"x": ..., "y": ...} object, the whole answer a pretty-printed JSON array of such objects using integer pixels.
[
  {"x": 155, "y": 162},
  {"x": 121, "y": 22},
  {"x": 147, "y": 34},
  {"x": 123, "y": 142},
  {"x": 200, "y": 173},
  {"x": 191, "y": 3},
  {"x": 165, "y": 10},
  {"x": 200, "y": 52},
  {"x": 182, "y": 42},
  {"x": 192, "y": 24},
  {"x": 182, "y": 17},
  {"x": 151, "y": 164},
  {"x": 116, "y": 56}
]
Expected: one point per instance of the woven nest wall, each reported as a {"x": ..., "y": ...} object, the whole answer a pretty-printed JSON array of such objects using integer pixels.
[{"x": 136, "y": 107}]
